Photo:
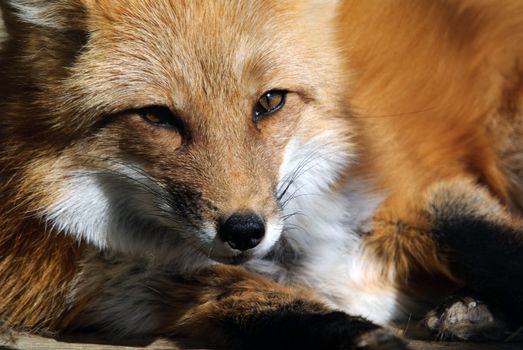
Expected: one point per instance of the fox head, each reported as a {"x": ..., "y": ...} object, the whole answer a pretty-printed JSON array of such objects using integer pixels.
[{"x": 172, "y": 128}]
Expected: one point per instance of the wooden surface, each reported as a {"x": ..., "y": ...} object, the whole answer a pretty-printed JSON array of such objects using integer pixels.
[{"x": 38, "y": 343}]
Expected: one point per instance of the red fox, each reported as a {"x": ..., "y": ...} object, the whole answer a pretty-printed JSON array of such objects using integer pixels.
[{"x": 262, "y": 174}]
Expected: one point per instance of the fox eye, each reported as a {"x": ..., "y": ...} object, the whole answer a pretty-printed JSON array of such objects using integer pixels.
[
  {"x": 270, "y": 102},
  {"x": 160, "y": 116}
]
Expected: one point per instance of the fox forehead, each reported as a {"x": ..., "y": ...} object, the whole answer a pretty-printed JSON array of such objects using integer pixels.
[{"x": 187, "y": 52}]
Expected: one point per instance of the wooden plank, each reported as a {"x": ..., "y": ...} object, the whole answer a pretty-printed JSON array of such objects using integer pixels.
[
  {"x": 26, "y": 342},
  {"x": 86, "y": 343},
  {"x": 418, "y": 345}
]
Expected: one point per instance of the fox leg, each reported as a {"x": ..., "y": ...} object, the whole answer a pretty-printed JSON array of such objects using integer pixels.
[
  {"x": 482, "y": 244},
  {"x": 456, "y": 235},
  {"x": 221, "y": 307}
]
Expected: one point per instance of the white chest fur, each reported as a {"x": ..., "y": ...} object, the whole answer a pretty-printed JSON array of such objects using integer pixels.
[
  {"x": 321, "y": 246},
  {"x": 322, "y": 249}
]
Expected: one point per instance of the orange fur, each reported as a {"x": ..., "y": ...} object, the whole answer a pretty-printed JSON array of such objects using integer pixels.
[{"x": 431, "y": 83}]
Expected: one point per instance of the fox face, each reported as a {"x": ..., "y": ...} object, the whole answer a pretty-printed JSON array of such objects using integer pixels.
[{"x": 175, "y": 127}]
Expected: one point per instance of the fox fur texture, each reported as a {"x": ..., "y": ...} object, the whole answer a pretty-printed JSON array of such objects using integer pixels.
[{"x": 261, "y": 174}]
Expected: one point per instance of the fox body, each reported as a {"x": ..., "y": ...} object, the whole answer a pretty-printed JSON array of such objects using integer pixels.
[{"x": 236, "y": 168}]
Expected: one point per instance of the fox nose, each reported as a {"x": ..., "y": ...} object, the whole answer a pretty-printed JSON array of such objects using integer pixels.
[{"x": 242, "y": 231}]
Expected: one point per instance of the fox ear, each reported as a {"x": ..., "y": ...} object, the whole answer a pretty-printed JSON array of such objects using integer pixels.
[
  {"x": 50, "y": 14},
  {"x": 58, "y": 26}
]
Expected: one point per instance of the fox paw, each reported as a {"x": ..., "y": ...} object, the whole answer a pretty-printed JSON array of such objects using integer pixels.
[
  {"x": 339, "y": 331},
  {"x": 465, "y": 318},
  {"x": 329, "y": 331}
]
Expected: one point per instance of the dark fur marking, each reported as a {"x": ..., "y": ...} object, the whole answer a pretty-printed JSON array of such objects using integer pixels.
[
  {"x": 296, "y": 329},
  {"x": 188, "y": 203}
]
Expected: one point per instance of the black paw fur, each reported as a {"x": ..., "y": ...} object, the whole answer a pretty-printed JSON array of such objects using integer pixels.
[{"x": 326, "y": 331}]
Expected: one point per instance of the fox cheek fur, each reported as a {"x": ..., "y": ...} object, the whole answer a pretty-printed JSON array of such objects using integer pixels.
[{"x": 119, "y": 182}]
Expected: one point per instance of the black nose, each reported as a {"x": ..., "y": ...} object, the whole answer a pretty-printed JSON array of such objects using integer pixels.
[{"x": 242, "y": 231}]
